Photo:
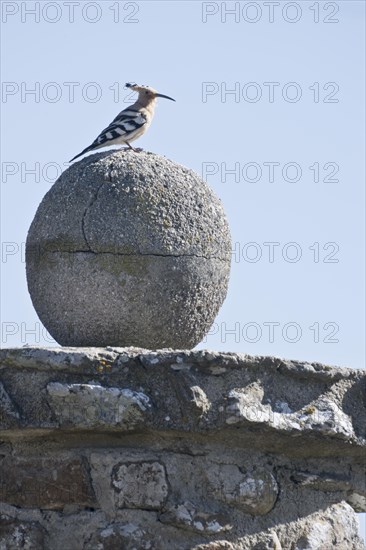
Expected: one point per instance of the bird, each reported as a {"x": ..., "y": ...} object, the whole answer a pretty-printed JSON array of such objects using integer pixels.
[{"x": 129, "y": 124}]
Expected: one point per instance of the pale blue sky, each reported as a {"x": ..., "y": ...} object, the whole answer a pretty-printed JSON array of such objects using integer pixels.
[{"x": 169, "y": 46}]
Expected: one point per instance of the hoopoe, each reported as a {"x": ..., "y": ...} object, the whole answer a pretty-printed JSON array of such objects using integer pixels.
[{"x": 131, "y": 123}]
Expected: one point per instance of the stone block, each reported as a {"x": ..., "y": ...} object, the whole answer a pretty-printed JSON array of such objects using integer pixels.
[{"x": 50, "y": 484}]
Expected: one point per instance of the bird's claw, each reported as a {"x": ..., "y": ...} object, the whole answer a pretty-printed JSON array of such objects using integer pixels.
[{"x": 134, "y": 149}]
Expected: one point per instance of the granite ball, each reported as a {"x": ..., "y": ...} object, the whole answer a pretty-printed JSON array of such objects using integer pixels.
[{"x": 128, "y": 249}]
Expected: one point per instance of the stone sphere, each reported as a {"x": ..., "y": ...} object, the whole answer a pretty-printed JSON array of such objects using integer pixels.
[{"x": 128, "y": 249}]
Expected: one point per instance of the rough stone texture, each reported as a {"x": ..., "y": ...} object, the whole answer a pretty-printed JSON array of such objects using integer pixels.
[
  {"x": 140, "y": 485},
  {"x": 128, "y": 249},
  {"x": 39, "y": 482},
  {"x": 254, "y": 492},
  {"x": 109, "y": 448},
  {"x": 93, "y": 405},
  {"x": 17, "y": 534}
]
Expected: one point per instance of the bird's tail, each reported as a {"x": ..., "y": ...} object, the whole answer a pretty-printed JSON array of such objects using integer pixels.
[{"x": 86, "y": 150}]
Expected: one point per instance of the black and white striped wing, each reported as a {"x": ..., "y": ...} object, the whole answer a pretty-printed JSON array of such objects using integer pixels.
[{"x": 124, "y": 125}]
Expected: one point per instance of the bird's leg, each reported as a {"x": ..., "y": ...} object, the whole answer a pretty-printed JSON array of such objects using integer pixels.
[
  {"x": 135, "y": 149},
  {"x": 127, "y": 148}
]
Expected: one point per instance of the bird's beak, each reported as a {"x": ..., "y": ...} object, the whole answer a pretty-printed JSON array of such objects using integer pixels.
[{"x": 165, "y": 96}]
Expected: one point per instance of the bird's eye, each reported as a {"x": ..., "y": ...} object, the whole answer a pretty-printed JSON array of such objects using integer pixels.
[{"x": 146, "y": 92}]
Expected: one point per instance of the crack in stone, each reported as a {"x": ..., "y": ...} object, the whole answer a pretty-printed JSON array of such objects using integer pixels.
[
  {"x": 91, "y": 202},
  {"x": 90, "y": 251}
]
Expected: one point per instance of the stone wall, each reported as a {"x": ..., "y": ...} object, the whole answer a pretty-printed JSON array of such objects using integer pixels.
[{"x": 106, "y": 448}]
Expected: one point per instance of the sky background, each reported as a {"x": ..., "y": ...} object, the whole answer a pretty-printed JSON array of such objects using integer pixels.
[{"x": 270, "y": 110}]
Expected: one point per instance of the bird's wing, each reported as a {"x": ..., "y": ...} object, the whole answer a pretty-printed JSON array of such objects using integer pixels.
[{"x": 125, "y": 123}]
